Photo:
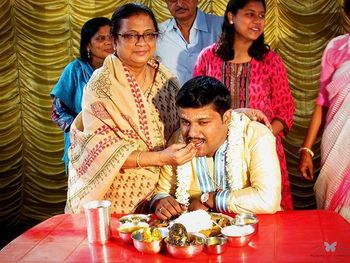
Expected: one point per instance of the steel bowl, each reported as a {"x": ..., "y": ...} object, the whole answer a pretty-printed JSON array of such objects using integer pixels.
[
  {"x": 185, "y": 251},
  {"x": 238, "y": 235},
  {"x": 247, "y": 219},
  {"x": 152, "y": 247},
  {"x": 125, "y": 230},
  {"x": 215, "y": 245}
]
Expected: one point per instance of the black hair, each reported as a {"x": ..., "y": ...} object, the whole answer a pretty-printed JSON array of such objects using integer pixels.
[
  {"x": 128, "y": 10},
  {"x": 346, "y": 7},
  {"x": 201, "y": 91},
  {"x": 225, "y": 49},
  {"x": 89, "y": 29}
]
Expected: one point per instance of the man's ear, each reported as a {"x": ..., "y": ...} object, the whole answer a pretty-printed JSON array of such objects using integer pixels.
[{"x": 226, "y": 118}]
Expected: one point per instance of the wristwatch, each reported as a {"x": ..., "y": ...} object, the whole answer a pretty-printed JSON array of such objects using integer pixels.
[{"x": 204, "y": 199}]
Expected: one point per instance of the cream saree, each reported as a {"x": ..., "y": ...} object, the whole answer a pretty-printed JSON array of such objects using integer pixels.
[
  {"x": 117, "y": 118},
  {"x": 332, "y": 187}
]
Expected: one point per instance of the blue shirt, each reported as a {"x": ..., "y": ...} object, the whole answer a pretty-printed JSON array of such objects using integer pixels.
[
  {"x": 69, "y": 92},
  {"x": 178, "y": 55}
]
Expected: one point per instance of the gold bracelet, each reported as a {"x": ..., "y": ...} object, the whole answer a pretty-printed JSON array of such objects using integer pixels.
[
  {"x": 138, "y": 160},
  {"x": 307, "y": 150}
]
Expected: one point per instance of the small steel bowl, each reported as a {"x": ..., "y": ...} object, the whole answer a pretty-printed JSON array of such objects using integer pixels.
[
  {"x": 215, "y": 245},
  {"x": 146, "y": 247},
  {"x": 125, "y": 230},
  {"x": 238, "y": 235},
  {"x": 247, "y": 219},
  {"x": 185, "y": 251}
]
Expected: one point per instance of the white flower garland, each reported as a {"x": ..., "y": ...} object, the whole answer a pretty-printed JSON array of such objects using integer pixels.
[
  {"x": 184, "y": 176},
  {"x": 234, "y": 162}
]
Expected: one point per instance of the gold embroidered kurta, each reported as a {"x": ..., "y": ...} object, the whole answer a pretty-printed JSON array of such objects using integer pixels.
[{"x": 258, "y": 181}]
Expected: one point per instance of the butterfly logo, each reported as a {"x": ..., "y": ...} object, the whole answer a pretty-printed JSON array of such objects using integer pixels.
[{"x": 330, "y": 247}]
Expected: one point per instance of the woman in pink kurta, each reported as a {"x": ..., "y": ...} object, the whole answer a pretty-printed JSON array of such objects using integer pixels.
[{"x": 255, "y": 75}]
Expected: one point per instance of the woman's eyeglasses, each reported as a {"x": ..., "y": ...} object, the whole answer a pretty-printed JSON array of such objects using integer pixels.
[{"x": 133, "y": 38}]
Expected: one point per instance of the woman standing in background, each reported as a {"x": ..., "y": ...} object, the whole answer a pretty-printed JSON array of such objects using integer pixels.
[
  {"x": 255, "y": 75},
  {"x": 95, "y": 46},
  {"x": 332, "y": 111}
]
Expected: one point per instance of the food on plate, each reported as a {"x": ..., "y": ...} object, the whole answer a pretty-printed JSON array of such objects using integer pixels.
[
  {"x": 160, "y": 223},
  {"x": 151, "y": 234},
  {"x": 148, "y": 234},
  {"x": 199, "y": 221},
  {"x": 219, "y": 221},
  {"x": 195, "y": 221},
  {"x": 131, "y": 227},
  {"x": 134, "y": 218},
  {"x": 178, "y": 236}
]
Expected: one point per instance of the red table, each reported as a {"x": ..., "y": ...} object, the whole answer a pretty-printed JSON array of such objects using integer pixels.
[{"x": 296, "y": 236}]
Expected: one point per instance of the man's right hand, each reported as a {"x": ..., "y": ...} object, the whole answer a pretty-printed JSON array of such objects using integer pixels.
[{"x": 168, "y": 207}]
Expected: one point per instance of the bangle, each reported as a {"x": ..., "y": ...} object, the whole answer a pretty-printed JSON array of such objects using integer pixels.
[
  {"x": 138, "y": 159},
  {"x": 308, "y": 150}
]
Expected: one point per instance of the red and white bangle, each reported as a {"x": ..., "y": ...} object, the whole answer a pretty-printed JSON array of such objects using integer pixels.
[{"x": 307, "y": 150}]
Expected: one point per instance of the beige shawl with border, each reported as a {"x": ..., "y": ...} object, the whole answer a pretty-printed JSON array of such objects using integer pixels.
[{"x": 117, "y": 118}]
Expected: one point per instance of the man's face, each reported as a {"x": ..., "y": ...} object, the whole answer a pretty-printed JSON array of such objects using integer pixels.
[
  {"x": 205, "y": 128},
  {"x": 182, "y": 9}
]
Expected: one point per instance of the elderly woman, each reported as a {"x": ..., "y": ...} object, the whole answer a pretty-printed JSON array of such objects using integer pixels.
[
  {"x": 119, "y": 139},
  {"x": 95, "y": 46}
]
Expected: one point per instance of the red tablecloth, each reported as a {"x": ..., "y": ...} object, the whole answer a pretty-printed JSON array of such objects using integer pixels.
[{"x": 296, "y": 236}]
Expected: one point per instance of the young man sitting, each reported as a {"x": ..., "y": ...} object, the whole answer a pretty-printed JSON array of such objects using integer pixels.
[{"x": 236, "y": 168}]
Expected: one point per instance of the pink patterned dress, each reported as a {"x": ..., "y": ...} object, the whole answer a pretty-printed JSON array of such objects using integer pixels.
[{"x": 260, "y": 85}]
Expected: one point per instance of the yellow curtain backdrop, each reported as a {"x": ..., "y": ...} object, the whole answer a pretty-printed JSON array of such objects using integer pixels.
[{"x": 38, "y": 38}]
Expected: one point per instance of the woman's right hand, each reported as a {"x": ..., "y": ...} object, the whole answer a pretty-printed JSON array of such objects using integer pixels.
[
  {"x": 306, "y": 167},
  {"x": 178, "y": 154}
]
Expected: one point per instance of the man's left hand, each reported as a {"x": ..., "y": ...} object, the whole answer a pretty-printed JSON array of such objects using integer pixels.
[{"x": 196, "y": 204}]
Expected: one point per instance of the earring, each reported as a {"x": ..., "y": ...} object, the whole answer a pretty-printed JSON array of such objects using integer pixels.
[
  {"x": 89, "y": 53},
  {"x": 231, "y": 22}
]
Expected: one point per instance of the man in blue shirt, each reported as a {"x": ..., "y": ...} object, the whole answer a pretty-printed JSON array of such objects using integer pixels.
[{"x": 184, "y": 35}]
